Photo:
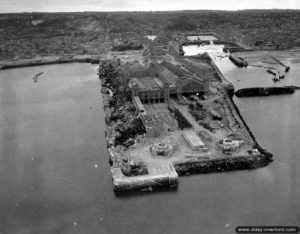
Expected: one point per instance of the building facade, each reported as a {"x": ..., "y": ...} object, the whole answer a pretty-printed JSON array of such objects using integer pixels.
[{"x": 158, "y": 82}]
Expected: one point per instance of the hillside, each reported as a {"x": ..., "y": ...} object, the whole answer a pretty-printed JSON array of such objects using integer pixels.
[{"x": 27, "y": 35}]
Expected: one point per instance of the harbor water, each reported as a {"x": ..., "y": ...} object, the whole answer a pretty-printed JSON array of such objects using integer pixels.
[{"x": 55, "y": 176}]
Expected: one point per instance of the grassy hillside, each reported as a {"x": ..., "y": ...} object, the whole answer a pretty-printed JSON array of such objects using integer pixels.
[{"x": 28, "y": 35}]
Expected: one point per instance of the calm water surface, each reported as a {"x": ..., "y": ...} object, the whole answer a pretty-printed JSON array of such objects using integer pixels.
[
  {"x": 55, "y": 176},
  {"x": 200, "y": 49}
]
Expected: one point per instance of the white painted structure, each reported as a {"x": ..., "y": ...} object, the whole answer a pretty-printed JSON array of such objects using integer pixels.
[
  {"x": 194, "y": 141},
  {"x": 231, "y": 145},
  {"x": 151, "y": 37},
  {"x": 139, "y": 104}
]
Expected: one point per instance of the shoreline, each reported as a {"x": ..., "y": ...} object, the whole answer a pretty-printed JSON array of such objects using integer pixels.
[
  {"x": 4, "y": 64},
  {"x": 88, "y": 58},
  {"x": 185, "y": 167}
]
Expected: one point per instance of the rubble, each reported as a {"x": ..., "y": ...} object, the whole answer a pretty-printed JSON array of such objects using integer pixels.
[
  {"x": 148, "y": 111},
  {"x": 129, "y": 129},
  {"x": 134, "y": 169}
]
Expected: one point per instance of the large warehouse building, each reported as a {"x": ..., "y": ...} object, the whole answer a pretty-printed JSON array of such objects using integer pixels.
[{"x": 157, "y": 83}]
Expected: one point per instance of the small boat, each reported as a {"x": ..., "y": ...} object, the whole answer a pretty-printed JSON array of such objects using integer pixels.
[
  {"x": 271, "y": 72},
  {"x": 276, "y": 77},
  {"x": 238, "y": 61},
  {"x": 279, "y": 75},
  {"x": 36, "y": 76}
]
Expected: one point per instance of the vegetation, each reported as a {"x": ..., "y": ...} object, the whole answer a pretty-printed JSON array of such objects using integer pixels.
[
  {"x": 129, "y": 130},
  {"x": 229, "y": 87},
  {"x": 27, "y": 35},
  {"x": 181, "y": 23},
  {"x": 182, "y": 121},
  {"x": 198, "y": 114},
  {"x": 207, "y": 125},
  {"x": 127, "y": 46}
]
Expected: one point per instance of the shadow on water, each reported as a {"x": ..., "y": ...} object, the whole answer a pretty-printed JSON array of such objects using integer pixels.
[{"x": 145, "y": 192}]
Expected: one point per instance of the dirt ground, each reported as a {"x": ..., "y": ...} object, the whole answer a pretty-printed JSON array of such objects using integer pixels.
[
  {"x": 141, "y": 150},
  {"x": 129, "y": 56}
]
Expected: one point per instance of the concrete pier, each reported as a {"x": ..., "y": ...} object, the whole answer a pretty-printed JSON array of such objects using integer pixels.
[
  {"x": 143, "y": 166},
  {"x": 159, "y": 176}
]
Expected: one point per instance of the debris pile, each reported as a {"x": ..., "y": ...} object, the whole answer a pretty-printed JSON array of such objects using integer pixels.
[
  {"x": 121, "y": 113},
  {"x": 127, "y": 131},
  {"x": 134, "y": 168}
]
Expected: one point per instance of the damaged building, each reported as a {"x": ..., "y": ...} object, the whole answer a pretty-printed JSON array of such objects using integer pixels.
[{"x": 160, "y": 81}]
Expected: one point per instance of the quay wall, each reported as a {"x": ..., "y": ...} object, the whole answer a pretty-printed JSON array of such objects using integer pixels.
[
  {"x": 47, "y": 61},
  {"x": 215, "y": 67},
  {"x": 263, "y": 151},
  {"x": 220, "y": 165},
  {"x": 235, "y": 49},
  {"x": 267, "y": 155}
]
